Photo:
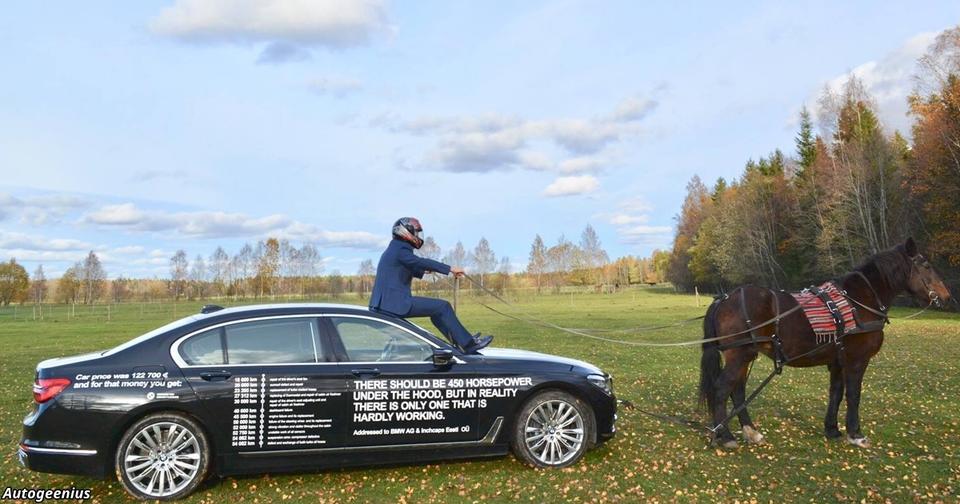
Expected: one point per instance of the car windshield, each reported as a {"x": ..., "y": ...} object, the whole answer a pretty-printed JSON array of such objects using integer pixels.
[{"x": 156, "y": 332}]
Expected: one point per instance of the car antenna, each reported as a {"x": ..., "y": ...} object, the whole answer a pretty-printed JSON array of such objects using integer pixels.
[{"x": 210, "y": 308}]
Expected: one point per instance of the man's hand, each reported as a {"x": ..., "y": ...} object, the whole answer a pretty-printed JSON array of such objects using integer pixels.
[{"x": 457, "y": 272}]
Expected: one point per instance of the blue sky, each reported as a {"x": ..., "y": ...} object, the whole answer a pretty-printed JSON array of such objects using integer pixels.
[{"x": 139, "y": 128}]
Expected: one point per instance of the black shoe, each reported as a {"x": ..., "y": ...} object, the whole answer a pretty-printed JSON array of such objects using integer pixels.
[{"x": 479, "y": 342}]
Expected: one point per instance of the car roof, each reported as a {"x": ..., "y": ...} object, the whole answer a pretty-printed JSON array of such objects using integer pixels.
[{"x": 285, "y": 306}]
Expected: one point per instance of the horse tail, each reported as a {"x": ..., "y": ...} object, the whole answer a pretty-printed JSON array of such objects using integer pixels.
[{"x": 710, "y": 364}]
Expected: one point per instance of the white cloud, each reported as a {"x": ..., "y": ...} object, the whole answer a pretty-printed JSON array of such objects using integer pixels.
[
  {"x": 128, "y": 250},
  {"x": 634, "y": 109},
  {"x": 288, "y": 27},
  {"x": 646, "y": 235},
  {"x": 636, "y": 205},
  {"x": 631, "y": 221},
  {"x": 621, "y": 219},
  {"x": 570, "y": 186},
  {"x": 43, "y": 256},
  {"x": 338, "y": 87},
  {"x": 492, "y": 142},
  {"x": 889, "y": 80},
  {"x": 21, "y": 241},
  {"x": 41, "y": 209},
  {"x": 212, "y": 224},
  {"x": 581, "y": 164},
  {"x": 118, "y": 215}
]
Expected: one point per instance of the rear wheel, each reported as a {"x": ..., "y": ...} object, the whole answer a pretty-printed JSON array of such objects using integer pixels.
[
  {"x": 553, "y": 429},
  {"x": 163, "y": 456}
]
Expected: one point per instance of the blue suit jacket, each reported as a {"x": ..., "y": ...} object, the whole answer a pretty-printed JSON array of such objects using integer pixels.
[{"x": 398, "y": 265}]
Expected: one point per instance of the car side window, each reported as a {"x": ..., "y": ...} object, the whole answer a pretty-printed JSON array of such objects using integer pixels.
[
  {"x": 369, "y": 340},
  {"x": 285, "y": 341},
  {"x": 204, "y": 349}
]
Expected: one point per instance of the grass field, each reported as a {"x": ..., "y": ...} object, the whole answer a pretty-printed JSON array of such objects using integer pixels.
[{"x": 910, "y": 410}]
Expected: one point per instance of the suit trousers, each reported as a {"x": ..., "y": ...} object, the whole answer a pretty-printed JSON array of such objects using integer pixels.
[{"x": 442, "y": 316}]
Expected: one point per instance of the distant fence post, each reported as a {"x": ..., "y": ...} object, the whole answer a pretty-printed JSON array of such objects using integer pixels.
[{"x": 456, "y": 292}]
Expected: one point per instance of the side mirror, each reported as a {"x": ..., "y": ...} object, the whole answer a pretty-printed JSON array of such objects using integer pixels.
[{"x": 442, "y": 357}]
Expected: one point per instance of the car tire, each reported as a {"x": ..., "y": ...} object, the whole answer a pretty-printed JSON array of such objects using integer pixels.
[
  {"x": 163, "y": 456},
  {"x": 553, "y": 429}
]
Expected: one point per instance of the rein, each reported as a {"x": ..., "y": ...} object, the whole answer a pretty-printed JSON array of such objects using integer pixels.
[
  {"x": 530, "y": 319},
  {"x": 882, "y": 312}
]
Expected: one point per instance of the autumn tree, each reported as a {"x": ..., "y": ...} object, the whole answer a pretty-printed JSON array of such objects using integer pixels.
[
  {"x": 695, "y": 209},
  {"x": 198, "y": 277},
  {"x": 366, "y": 273},
  {"x": 92, "y": 278},
  {"x": 179, "y": 271},
  {"x": 483, "y": 258},
  {"x": 268, "y": 266},
  {"x": 457, "y": 256},
  {"x": 14, "y": 283},
  {"x": 68, "y": 286},
  {"x": 592, "y": 257},
  {"x": 218, "y": 266},
  {"x": 537, "y": 263},
  {"x": 38, "y": 287},
  {"x": 933, "y": 173}
]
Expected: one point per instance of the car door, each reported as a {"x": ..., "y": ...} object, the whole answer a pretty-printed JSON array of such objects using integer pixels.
[
  {"x": 268, "y": 384},
  {"x": 396, "y": 394}
]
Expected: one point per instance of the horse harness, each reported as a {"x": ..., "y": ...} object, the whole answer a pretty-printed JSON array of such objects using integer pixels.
[{"x": 821, "y": 293}]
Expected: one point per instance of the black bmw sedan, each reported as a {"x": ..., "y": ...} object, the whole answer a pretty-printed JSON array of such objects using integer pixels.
[{"x": 292, "y": 387}]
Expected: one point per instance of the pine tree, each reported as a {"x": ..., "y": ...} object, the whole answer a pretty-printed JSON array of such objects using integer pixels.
[{"x": 806, "y": 142}]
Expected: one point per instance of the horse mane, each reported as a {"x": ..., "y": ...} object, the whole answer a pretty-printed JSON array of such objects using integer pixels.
[{"x": 891, "y": 266}]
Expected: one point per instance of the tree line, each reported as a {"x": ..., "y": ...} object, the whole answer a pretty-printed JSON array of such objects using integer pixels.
[
  {"x": 849, "y": 190},
  {"x": 275, "y": 267}
]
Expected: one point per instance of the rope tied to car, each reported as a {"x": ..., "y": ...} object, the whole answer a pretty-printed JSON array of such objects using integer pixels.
[{"x": 587, "y": 333}]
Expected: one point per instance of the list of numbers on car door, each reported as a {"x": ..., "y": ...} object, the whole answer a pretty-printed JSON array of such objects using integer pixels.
[
  {"x": 278, "y": 411},
  {"x": 246, "y": 414}
]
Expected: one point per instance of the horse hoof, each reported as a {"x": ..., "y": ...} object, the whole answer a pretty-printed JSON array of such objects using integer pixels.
[
  {"x": 860, "y": 442},
  {"x": 833, "y": 434},
  {"x": 730, "y": 444},
  {"x": 751, "y": 435}
]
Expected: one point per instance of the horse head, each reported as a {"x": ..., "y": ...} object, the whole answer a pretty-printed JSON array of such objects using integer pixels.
[{"x": 924, "y": 282}]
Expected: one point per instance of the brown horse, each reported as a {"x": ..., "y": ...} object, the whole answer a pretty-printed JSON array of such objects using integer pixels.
[{"x": 791, "y": 341}]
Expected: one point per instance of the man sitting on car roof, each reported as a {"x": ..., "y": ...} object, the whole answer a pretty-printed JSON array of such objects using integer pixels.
[{"x": 391, "y": 290}]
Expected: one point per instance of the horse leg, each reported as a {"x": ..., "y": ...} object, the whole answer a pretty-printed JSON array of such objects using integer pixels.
[
  {"x": 854, "y": 381},
  {"x": 723, "y": 388},
  {"x": 750, "y": 434},
  {"x": 833, "y": 404}
]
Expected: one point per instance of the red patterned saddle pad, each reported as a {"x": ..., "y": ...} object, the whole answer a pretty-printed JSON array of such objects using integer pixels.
[{"x": 819, "y": 315}]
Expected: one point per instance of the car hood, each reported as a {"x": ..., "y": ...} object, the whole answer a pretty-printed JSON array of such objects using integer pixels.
[{"x": 511, "y": 354}]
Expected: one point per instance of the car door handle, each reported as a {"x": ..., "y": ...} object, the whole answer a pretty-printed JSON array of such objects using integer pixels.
[
  {"x": 215, "y": 375},
  {"x": 365, "y": 372}
]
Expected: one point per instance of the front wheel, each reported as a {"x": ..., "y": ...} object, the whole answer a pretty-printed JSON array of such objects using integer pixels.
[
  {"x": 553, "y": 429},
  {"x": 163, "y": 456}
]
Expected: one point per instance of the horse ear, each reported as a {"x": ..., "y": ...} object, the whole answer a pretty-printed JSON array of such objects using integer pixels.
[{"x": 910, "y": 247}]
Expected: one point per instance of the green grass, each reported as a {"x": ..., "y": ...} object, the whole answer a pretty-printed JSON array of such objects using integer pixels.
[{"x": 909, "y": 410}]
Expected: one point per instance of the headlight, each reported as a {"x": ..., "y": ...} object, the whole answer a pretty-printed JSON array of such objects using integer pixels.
[{"x": 604, "y": 382}]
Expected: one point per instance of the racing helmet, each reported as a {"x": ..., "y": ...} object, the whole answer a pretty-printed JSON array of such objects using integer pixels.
[{"x": 409, "y": 230}]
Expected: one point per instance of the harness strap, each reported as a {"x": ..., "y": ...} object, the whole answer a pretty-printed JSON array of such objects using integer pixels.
[
  {"x": 831, "y": 307},
  {"x": 746, "y": 316},
  {"x": 779, "y": 357},
  {"x": 873, "y": 291}
]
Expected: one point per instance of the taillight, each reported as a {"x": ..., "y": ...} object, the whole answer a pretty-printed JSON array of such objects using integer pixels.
[{"x": 45, "y": 389}]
